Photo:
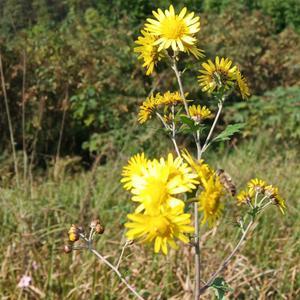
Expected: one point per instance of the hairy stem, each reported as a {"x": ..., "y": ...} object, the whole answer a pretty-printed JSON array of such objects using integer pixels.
[
  {"x": 121, "y": 255},
  {"x": 178, "y": 76},
  {"x": 112, "y": 267},
  {"x": 206, "y": 143},
  {"x": 173, "y": 133},
  {"x": 227, "y": 260},
  {"x": 196, "y": 213},
  {"x": 197, "y": 252},
  {"x": 198, "y": 144}
]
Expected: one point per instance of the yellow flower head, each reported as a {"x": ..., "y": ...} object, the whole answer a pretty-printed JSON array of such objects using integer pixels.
[
  {"x": 245, "y": 196},
  {"x": 161, "y": 181},
  {"x": 217, "y": 75},
  {"x": 180, "y": 171},
  {"x": 170, "y": 98},
  {"x": 148, "y": 107},
  {"x": 203, "y": 170},
  {"x": 242, "y": 84},
  {"x": 135, "y": 168},
  {"x": 162, "y": 229},
  {"x": 148, "y": 51},
  {"x": 273, "y": 194},
  {"x": 199, "y": 113},
  {"x": 256, "y": 185},
  {"x": 175, "y": 31},
  {"x": 210, "y": 200}
]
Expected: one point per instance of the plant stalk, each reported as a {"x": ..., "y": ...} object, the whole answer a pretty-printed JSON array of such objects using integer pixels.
[
  {"x": 25, "y": 158},
  {"x": 112, "y": 267},
  {"x": 173, "y": 132},
  {"x": 196, "y": 213},
  {"x": 206, "y": 143},
  {"x": 227, "y": 260},
  {"x": 11, "y": 134},
  {"x": 178, "y": 76}
]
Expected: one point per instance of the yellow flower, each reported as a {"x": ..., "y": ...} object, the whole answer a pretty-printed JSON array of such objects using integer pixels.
[
  {"x": 179, "y": 169},
  {"x": 161, "y": 181},
  {"x": 199, "y": 113},
  {"x": 147, "y": 108},
  {"x": 217, "y": 75},
  {"x": 242, "y": 84},
  {"x": 203, "y": 170},
  {"x": 170, "y": 98},
  {"x": 162, "y": 229},
  {"x": 135, "y": 168},
  {"x": 256, "y": 185},
  {"x": 210, "y": 200},
  {"x": 245, "y": 196},
  {"x": 175, "y": 31},
  {"x": 148, "y": 51},
  {"x": 273, "y": 194}
]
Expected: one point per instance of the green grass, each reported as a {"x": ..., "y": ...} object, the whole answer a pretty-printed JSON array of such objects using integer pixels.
[{"x": 35, "y": 224}]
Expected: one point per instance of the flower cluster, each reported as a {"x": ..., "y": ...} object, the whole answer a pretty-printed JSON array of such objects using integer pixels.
[
  {"x": 76, "y": 233},
  {"x": 168, "y": 30},
  {"x": 259, "y": 188},
  {"x": 157, "y": 187},
  {"x": 153, "y": 102}
]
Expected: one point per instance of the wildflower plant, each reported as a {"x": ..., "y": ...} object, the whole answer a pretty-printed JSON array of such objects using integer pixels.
[{"x": 173, "y": 196}]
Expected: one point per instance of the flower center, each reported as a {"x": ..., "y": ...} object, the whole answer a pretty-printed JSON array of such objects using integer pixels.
[
  {"x": 156, "y": 194},
  {"x": 161, "y": 225},
  {"x": 172, "y": 28}
]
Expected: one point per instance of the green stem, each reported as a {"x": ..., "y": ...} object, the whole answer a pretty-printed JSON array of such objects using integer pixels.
[
  {"x": 112, "y": 267},
  {"x": 227, "y": 260},
  {"x": 206, "y": 143},
  {"x": 196, "y": 213}
]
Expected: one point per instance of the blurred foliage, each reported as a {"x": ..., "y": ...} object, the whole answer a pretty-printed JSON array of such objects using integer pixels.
[
  {"x": 267, "y": 59},
  {"x": 83, "y": 69},
  {"x": 83, "y": 80},
  {"x": 276, "y": 112},
  {"x": 19, "y": 14},
  {"x": 283, "y": 13}
]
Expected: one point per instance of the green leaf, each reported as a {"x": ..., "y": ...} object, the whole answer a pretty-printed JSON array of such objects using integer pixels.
[
  {"x": 186, "y": 120},
  {"x": 192, "y": 126},
  {"x": 229, "y": 131},
  {"x": 220, "y": 288}
]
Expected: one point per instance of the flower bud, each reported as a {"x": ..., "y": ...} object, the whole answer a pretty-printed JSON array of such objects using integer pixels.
[
  {"x": 73, "y": 233},
  {"x": 99, "y": 228},
  {"x": 94, "y": 223},
  {"x": 67, "y": 249}
]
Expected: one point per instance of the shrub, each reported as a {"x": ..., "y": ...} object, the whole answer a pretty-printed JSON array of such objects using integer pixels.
[{"x": 277, "y": 112}]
